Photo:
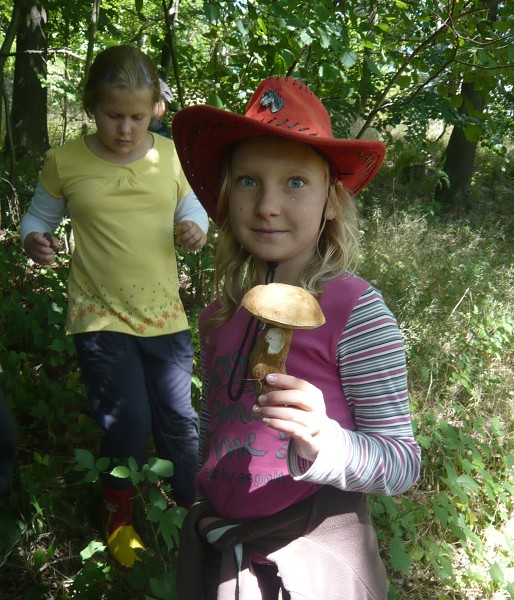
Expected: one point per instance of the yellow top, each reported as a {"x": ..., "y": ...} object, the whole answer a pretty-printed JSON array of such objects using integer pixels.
[{"x": 123, "y": 273}]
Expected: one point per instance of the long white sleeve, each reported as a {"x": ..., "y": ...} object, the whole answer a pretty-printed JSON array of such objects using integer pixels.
[
  {"x": 44, "y": 213},
  {"x": 190, "y": 209}
]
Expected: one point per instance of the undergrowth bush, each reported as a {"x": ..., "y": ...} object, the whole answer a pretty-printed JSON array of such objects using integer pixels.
[{"x": 450, "y": 284}]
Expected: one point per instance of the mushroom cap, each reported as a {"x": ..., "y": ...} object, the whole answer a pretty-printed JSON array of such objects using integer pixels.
[{"x": 288, "y": 306}]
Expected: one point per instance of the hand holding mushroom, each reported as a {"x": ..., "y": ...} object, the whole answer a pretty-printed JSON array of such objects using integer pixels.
[
  {"x": 282, "y": 308},
  {"x": 286, "y": 403}
]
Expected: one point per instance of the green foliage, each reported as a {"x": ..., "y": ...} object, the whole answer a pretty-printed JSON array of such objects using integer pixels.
[
  {"x": 458, "y": 523},
  {"x": 450, "y": 285},
  {"x": 160, "y": 521}
]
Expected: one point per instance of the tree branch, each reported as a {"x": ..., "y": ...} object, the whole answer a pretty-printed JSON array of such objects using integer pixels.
[{"x": 170, "y": 17}]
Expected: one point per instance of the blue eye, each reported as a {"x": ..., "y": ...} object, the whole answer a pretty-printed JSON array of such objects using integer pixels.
[
  {"x": 246, "y": 181},
  {"x": 296, "y": 182}
]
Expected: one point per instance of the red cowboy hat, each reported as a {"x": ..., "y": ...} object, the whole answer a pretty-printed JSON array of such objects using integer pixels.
[{"x": 283, "y": 107}]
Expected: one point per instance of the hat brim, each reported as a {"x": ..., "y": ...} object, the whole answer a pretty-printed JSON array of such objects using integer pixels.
[{"x": 203, "y": 136}]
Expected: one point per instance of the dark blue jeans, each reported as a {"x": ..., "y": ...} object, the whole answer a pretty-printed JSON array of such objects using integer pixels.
[{"x": 139, "y": 387}]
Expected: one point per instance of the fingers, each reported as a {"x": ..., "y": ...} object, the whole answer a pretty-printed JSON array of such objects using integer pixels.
[
  {"x": 41, "y": 248},
  {"x": 190, "y": 236},
  {"x": 294, "y": 392},
  {"x": 54, "y": 242},
  {"x": 295, "y": 408}
]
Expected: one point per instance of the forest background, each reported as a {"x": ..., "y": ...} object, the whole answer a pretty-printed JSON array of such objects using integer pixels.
[{"x": 434, "y": 80}]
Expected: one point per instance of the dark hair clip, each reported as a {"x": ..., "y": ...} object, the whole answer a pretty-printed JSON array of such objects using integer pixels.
[
  {"x": 108, "y": 73},
  {"x": 146, "y": 74}
]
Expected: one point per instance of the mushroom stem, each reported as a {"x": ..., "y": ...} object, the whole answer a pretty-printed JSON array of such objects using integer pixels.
[{"x": 269, "y": 355}]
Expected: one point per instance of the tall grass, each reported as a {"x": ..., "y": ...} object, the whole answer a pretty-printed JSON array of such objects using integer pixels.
[{"x": 450, "y": 283}]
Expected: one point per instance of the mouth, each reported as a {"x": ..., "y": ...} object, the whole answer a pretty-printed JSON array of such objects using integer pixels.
[{"x": 268, "y": 233}]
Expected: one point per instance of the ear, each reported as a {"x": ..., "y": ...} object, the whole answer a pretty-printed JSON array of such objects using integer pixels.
[{"x": 330, "y": 211}]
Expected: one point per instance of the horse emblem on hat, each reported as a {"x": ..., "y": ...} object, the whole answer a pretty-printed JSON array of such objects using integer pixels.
[{"x": 272, "y": 99}]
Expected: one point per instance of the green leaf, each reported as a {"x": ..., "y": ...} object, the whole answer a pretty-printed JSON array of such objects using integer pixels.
[
  {"x": 242, "y": 27},
  {"x": 102, "y": 464},
  {"x": 472, "y": 132},
  {"x": 404, "y": 81},
  {"x": 456, "y": 101},
  {"x": 348, "y": 58},
  {"x": 468, "y": 483},
  {"x": 280, "y": 64},
  {"x": 121, "y": 472},
  {"x": 91, "y": 549},
  {"x": 39, "y": 558},
  {"x": 424, "y": 441},
  {"x": 161, "y": 467},
  {"x": 497, "y": 574},
  {"x": 305, "y": 38},
  {"x": 84, "y": 458},
  {"x": 163, "y": 587},
  {"x": 214, "y": 100},
  {"x": 400, "y": 560},
  {"x": 58, "y": 344},
  {"x": 324, "y": 38},
  {"x": 153, "y": 514},
  {"x": 262, "y": 26},
  {"x": 157, "y": 499},
  {"x": 441, "y": 514}
]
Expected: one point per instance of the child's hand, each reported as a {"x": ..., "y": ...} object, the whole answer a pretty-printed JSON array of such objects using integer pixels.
[
  {"x": 41, "y": 247},
  {"x": 296, "y": 408},
  {"x": 190, "y": 236}
]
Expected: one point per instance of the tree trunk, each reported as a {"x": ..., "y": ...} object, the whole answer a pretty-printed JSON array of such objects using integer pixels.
[
  {"x": 10, "y": 35},
  {"x": 29, "y": 103},
  {"x": 170, "y": 9},
  {"x": 91, "y": 36},
  {"x": 460, "y": 154}
]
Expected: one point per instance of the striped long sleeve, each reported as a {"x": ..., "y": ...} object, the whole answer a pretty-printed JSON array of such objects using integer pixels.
[{"x": 382, "y": 455}]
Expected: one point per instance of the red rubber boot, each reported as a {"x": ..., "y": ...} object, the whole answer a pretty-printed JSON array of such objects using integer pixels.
[{"x": 122, "y": 538}]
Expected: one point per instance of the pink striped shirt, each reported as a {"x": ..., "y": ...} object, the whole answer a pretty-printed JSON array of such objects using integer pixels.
[{"x": 358, "y": 360}]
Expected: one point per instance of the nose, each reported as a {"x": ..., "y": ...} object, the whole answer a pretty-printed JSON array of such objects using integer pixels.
[
  {"x": 268, "y": 203},
  {"x": 124, "y": 126}
]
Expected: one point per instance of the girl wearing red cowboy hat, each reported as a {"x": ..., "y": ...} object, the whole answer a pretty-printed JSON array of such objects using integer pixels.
[{"x": 282, "y": 487}]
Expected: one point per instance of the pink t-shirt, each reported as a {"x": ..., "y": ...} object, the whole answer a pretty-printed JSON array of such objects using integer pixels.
[{"x": 245, "y": 474}]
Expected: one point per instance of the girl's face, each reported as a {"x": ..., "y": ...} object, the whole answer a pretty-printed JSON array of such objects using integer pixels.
[
  {"x": 278, "y": 199},
  {"x": 122, "y": 116}
]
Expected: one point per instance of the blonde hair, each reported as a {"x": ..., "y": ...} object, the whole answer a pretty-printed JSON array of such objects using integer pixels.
[
  {"x": 122, "y": 67},
  {"x": 234, "y": 270}
]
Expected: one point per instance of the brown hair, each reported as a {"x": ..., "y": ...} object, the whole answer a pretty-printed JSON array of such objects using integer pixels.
[{"x": 120, "y": 66}]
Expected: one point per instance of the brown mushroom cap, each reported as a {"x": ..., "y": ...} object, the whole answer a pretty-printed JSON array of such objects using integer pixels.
[{"x": 284, "y": 305}]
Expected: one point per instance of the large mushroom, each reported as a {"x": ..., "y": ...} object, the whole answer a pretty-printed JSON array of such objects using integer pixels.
[{"x": 282, "y": 308}]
